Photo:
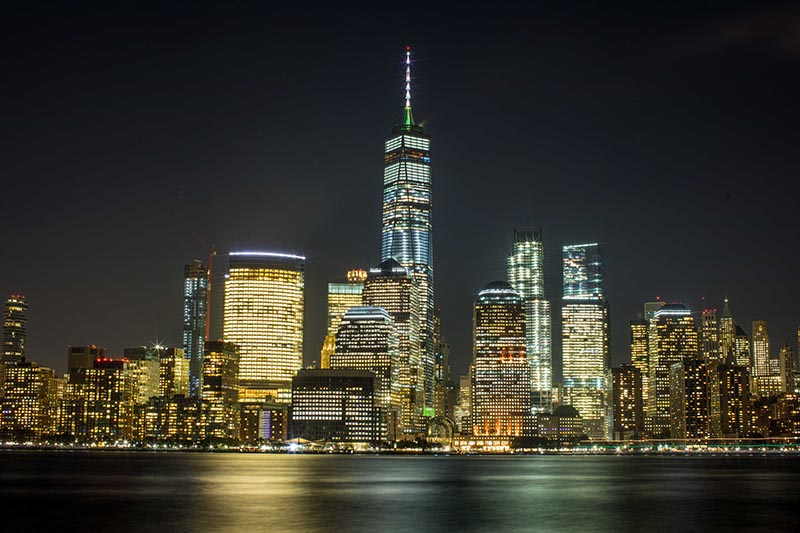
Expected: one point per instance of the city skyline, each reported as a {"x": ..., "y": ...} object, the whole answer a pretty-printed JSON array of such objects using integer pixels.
[{"x": 141, "y": 265}]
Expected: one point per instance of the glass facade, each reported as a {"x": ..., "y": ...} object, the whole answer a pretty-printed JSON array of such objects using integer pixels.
[
  {"x": 195, "y": 315},
  {"x": 584, "y": 334},
  {"x": 341, "y": 297},
  {"x": 501, "y": 394},
  {"x": 406, "y": 234},
  {"x": 263, "y": 315},
  {"x": 526, "y": 275}
]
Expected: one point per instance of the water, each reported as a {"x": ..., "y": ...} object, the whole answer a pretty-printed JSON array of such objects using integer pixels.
[{"x": 141, "y": 491}]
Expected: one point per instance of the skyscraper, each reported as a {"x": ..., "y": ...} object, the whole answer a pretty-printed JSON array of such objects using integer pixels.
[
  {"x": 526, "y": 275},
  {"x": 367, "y": 340},
  {"x": 341, "y": 297},
  {"x": 406, "y": 234},
  {"x": 221, "y": 388},
  {"x": 764, "y": 370},
  {"x": 173, "y": 373},
  {"x": 585, "y": 343},
  {"x": 727, "y": 332},
  {"x": 263, "y": 315},
  {"x": 195, "y": 317},
  {"x": 673, "y": 338},
  {"x": 709, "y": 336},
  {"x": 501, "y": 393},
  {"x": 627, "y": 402},
  {"x": 688, "y": 399},
  {"x": 639, "y": 353},
  {"x": 391, "y": 287},
  {"x": 786, "y": 365},
  {"x": 15, "y": 322},
  {"x": 728, "y": 399}
]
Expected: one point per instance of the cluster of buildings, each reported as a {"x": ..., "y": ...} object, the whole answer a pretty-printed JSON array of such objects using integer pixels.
[{"x": 384, "y": 373}]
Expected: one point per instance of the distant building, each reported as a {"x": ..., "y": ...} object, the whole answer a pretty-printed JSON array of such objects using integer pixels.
[
  {"x": 28, "y": 400},
  {"x": 109, "y": 401},
  {"x": 501, "y": 395},
  {"x": 263, "y": 315},
  {"x": 640, "y": 354},
  {"x": 585, "y": 342},
  {"x": 83, "y": 356},
  {"x": 689, "y": 405},
  {"x": 563, "y": 425},
  {"x": 264, "y": 422},
  {"x": 728, "y": 399},
  {"x": 787, "y": 368},
  {"x": 672, "y": 338},
  {"x": 367, "y": 340},
  {"x": 341, "y": 297},
  {"x": 462, "y": 412},
  {"x": 741, "y": 348},
  {"x": 173, "y": 373},
  {"x": 221, "y": 388},
  {"x": 15, "y": 321},
  {"x": 627, "y": 402},
  {"x": 709, "y": 336},
  {"x": 526, "y": 275},
  {"x": 195, "y": 318},
  {"x": 727, "y": 333},
  {"x": 390, "y": 286},
  {"x": 335, "y": 405}
]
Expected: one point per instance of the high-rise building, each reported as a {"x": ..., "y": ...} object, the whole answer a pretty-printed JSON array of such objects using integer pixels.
[
  {"x": 15, "y": 323},
  {"x": 639, "y": 353},
  {"x": 741, "y": 348},
  {"x": 367, "y": 340},
  {"x": 688, "y": 399},
  {"x": 83, "y": 356},
  {"x": 335, "y": 405},
  {"x": 650, "y": 309},
  {"x": 787, "y": 368},
  {"x": 392, "y": 287},
  {"x": 28, "y": 400},
  {"x": 221, "y": 388},
  {"x": 627, "y": 402},
  {"x": 765, "y": 371},
  {"x": 709, "y": 336},
  {"x": 341, "y": 297},
  {"x": 109, "y": 401},
  {"x": 406, "y": 234},
  {"x": 585, "y": 342},
  {"x": 501, "y": 393},
  {"x": 673, "y": 338},
  {"x": 462, "y": 412},
  {"x": 144, "y": 367},
  {"x": 526, "y": 275},
  {"x": 263, "y": 315},
  {"x": 727, "y": 332},
  {"x": 173, "y": 373},
  {"x": 728, "y": 399},
  {"x": 195, "y": 317}
]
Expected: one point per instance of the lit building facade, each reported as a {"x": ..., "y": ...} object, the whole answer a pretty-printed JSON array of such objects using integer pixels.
[
  {"x": 627, "y": 402},
  {"x": 335, "y": 405},
  {"x": 341, "y": 297},
  {"x": 640, "y": 357},
  {"x": 729, "y": 399},
  {"x": 688, "y": 397},
  {"x": 673, "y": 338},
  {"x": 709, "y": 336},
  {"x": 727, "y": 332},
  {"x": 392, "y": 287},
  {"x": 221, "y": 388},
  {"x": 741, "y": 348},
  {"x": 15, "y": 321},
  {"x": 526, "y": 275},
  {"x": 263, "y": 315},
  {"x": 501, "y": 393},
  {"x": 28, "y": 400},
  {"x": 195, "y": 318},
  {"x": 367, "y": 340},
  {"x": 787, "y": 368},
  {"x": 109, "y": 401},
  {"x": 83, "y": 356},
  {"x": 407, "y": 230},
  {"x": 173, "y": 373},
  {"x": 585, "y": 343}
]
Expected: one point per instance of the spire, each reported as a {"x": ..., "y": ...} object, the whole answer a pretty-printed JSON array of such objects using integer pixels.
[
  {"x": 726, "y": 311},
  {"x": 408, "y": 118}
]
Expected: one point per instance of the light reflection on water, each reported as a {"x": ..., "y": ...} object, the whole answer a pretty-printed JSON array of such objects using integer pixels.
[{"x": 253, "y": 492}]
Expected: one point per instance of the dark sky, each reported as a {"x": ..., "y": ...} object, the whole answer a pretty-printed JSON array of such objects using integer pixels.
[{"x": 131, "y": 137}]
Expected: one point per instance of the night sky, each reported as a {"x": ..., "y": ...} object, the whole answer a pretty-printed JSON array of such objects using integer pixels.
[{"x": 132, "y": 137}]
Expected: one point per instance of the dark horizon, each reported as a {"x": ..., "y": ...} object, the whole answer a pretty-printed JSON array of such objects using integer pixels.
[{"x": 136, "y": 135}]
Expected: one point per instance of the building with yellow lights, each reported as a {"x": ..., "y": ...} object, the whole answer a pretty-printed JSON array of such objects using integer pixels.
[
  {"x": 221, "y": 388},
  {"x": 341, "y": 297},
  {"x": 263, "y": 315},
  {"x": 28, "y": 400}
]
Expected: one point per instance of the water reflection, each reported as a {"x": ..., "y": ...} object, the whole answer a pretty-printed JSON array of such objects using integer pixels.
[{"x": 253, "y": 492}]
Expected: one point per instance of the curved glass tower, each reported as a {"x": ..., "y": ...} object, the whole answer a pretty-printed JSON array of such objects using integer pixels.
[{"x": 406, "y": 234}]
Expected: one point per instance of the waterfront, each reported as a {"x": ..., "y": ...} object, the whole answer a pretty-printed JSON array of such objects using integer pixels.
[{"x": 148, "y": 491}]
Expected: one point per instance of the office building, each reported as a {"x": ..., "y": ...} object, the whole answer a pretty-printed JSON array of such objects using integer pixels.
[
  {"x": 741, "y": 348},
  {"x": 526, "y": 275},
  {"x": 83, "y": 356},
  {"x": 173, "y": 373},
  {"x": 501, "y": 393},
  {"x": 28, "y": 401},
  {"x": 673, "y": 338},
  {"x": 221, "y": 389},
  {"x": 15, "y": 321},
  {"x": 263, "y": 315},
  {"x": 728, "y": 399},
  {"x": 195, "y": 321},
  {"x": 627, "y": 402},
  {"x": 335, "y": 405},
  {"x": 391, "y": 287},
  {"x": 109, "y": 401},
  {"x": 688, "y": 399},
  {"x": 640, "y": 358},
  {"x": 367, "y": 340},
  {"x": 407, "y": 230},
  {"x": 341, "y": 297},
  {"x": 709, "y": 336},
  {"x": 787, "y": 368},
  {"x": 727, "y": 332},
  {"x": 585, "y": 342}
]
